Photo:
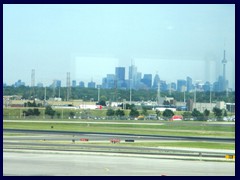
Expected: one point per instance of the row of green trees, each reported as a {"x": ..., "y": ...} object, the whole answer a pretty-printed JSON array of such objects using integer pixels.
[
  {"x": 111, "y": 94},
  {"x": 197, "y": 115},
  {"x": 35, "y": 112},
  {"x": 167, "y": 114},
  {"x": 118, "y": 112},
  {"x": 31, "y": 112},
  {"x": 134, "y": 112}
]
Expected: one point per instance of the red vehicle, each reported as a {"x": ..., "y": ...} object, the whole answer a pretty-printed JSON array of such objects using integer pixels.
[
  {"x": 115, "y": 141},
  {"x": 176, "y": 118}
]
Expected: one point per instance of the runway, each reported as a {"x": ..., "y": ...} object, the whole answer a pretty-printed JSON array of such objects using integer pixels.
[
  {"x": 42, "y": 163},
  {"x": 35, "y": 155}
]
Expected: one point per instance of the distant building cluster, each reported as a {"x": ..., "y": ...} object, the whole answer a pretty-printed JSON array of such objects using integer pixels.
[
  {"x": 136, "y": 80},
  {"x": 19, "y": 83}
]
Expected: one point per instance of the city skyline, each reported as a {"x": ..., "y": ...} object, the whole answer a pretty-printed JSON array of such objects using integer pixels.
[
  {"x": 89, "y": 41},
  {"x": 139, "y": 80}
]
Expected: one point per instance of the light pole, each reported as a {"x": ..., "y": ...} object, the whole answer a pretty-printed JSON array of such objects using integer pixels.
[
  {"x": 98, "y": 93},
  {"x": 124, "y": 103},
  {"x": 184, "y": 99},
  {"x": 130, "y": 98},
  {"x": 195, "y": 92},
  {"x": 210, "y": 97},
  {"x": 195, "y": 96},
  {"x": 59, "y": 92},
  {"x": 184, "y": 89},
  {"x": 45, "y": 92}
]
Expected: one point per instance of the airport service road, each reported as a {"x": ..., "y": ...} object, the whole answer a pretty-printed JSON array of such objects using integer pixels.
[
  {"x": 69, "y": 135},
  {"x": 82, "y": 164},
  {"x": 145, "y": 122},
  {"x": 80, "y": 122}
]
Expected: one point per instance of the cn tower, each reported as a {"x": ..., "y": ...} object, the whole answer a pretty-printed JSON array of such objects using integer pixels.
[{"x": 224, "y": 62}]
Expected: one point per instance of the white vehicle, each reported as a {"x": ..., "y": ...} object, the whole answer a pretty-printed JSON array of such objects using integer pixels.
[{"x": 82, "y": 106}]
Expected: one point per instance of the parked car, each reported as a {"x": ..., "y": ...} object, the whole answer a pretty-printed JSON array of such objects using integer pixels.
[{"x": 152, "y": 117}]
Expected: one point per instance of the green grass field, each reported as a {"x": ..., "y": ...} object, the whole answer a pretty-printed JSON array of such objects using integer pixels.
[
  {"x": 201, "y": 129},
  {"x": 169, "y": 129},
  {"x": 206, "y": 145}
]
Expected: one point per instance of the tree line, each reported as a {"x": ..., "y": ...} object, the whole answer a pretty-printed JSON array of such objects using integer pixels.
[
  {"x": 117, "y": 95},
  {"x": 135, "y": 113}
]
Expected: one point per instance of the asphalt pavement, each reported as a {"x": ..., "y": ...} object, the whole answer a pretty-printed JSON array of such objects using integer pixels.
[{"x": 43, "y": 163}]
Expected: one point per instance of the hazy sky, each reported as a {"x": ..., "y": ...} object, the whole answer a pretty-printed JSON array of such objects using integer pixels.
[{"x": 89, "y": 41}]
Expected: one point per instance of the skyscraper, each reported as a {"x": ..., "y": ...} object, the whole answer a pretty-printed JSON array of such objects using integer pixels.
[
  {"x": 56, "y": 83},
  {"x": 163, "y": 85},
  {"x": 108, "y": 82},
  {"x": 189, "y": 84},
  {"x": 147, "y": 80},
  {"x": 81, "y": 84},
  {"x": 120, "y": 77},
  {"x": 120, "y": 73},
  {"x": 224, "y": 62},
  {"x": 19, "y": 83},
  {"x": 74, "y": 83},
  {"x": 173, "y": 86},
  {"x": 91, "y": 84},
  {"x": 156, "y": 81},
  {"x": 180, "y": 85},
  {"x": 133, "y": 76},
  {"x": 207, "y": 86}
]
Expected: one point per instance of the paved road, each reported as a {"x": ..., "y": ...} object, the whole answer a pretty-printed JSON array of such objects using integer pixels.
[
  {"x": 81, "y": 122},
  {"x": 107, "y": 136},
  {"x": 160, "y": 123},
  {"x": 68, "y": 135},
  {"x": 82, "y": 164}
]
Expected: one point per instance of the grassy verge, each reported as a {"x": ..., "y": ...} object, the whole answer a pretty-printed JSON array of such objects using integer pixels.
[
  {"x": 175, "y": 144},
  {"x": 169, "y": 130},
  {"x": 206, "y": 145}
]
